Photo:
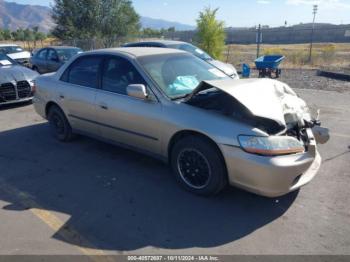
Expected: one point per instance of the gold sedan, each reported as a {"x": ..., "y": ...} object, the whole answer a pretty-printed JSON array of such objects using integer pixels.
[{"x": 256, "y": 134}]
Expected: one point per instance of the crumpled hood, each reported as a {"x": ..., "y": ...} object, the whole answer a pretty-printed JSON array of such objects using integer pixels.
[
  {"x": 16, "y": 73},
  {"x": 265, "y": 98},
  {"x": 226, "y": 68}
]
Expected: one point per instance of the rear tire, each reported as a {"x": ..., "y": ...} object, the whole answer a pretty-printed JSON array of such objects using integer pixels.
[
  {"x": 198, "y": 166},
  {"x": 59, "y": 125}
]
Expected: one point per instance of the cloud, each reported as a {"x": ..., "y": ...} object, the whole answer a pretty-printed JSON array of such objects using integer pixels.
[
  {"x": 263, "y": 2},
  {"x": 321, "y": 3}
]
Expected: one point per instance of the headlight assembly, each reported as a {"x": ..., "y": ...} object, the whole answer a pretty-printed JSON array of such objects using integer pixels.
[{"x": 271, "y": 145}]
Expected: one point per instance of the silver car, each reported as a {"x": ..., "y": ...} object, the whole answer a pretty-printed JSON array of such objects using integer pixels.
[
  {"x": 228, "y": 69},
  {"x": 16, "y": 81},
  {"x": 255, "y": 134},
  {"x": 50, "y": 59}
]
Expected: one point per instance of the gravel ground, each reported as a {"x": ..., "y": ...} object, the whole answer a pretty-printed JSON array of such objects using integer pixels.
[{"x": 308, "y": 79}]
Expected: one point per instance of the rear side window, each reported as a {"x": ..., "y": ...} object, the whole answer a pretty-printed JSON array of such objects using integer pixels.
[
  {"x": 42, "y": 54},
  {"x": 52, "y": 55},
  {"x": 83, "y": 72}
]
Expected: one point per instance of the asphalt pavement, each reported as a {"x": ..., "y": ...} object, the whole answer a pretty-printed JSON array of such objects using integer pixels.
[{"x": 88, "y": 197}]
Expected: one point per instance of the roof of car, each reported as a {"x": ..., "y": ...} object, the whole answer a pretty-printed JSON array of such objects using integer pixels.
[
  {"x": 2, "y": 45},
  {"x": 164, "y": 42},
  {"x": 61, "y": 47},
  {"x": 139, "y": 51}
]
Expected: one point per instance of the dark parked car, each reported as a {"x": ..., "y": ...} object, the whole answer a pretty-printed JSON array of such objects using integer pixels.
[
  {"x": 16, "y": 81},
  {"x": 228, "y": 69},
  {"x": 50, "y": 59}
]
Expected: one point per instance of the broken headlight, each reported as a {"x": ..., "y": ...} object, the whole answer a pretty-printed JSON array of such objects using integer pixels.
[{"x": 271, "y": 145}]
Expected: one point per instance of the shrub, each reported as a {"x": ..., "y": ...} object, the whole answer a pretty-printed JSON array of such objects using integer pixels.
[
  {"x": 328, "y": 52},
  {"x": 273, "y": 51},
  {"x": 298, "y": 57}
]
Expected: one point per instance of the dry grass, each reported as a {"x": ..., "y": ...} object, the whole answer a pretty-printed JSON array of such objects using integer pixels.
[
  {"x": 31, "y": 44},
  {"x": 297, "y": 55},
  {"x": 330, "y": 55}
]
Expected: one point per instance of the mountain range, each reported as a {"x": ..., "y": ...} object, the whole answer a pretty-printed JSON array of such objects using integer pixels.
[{"x": 14, "y": 16}]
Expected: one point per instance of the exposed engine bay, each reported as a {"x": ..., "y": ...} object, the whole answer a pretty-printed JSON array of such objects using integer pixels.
[{"x": 268, "y": 105}]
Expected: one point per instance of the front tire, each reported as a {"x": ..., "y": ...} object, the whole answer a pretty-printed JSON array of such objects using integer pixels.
[
  {"x": 198, "y": 166},
  {"x": 59, "y": 125}
]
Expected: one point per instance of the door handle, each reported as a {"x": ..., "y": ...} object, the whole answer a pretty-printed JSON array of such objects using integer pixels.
[
  {"x": 62, "y": 96},
  {"x": 105, "y": 107}
]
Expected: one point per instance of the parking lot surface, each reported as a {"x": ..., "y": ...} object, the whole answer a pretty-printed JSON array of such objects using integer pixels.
[{"x": 88, "y": 197}]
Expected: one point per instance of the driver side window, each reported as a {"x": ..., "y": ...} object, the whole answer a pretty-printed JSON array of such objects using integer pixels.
[
  {"x": 118, "y": 73},
  {"x": 52, "y": 55},
  {"x": 42, "y": 54}
]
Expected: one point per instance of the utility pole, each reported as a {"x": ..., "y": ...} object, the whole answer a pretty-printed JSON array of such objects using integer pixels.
[
  {"x": 258, "y": 41},
  {"x": 314, "y": 12}
]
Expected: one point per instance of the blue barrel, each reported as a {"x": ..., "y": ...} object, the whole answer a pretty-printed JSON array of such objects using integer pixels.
[{"x": 245, "y": 70}]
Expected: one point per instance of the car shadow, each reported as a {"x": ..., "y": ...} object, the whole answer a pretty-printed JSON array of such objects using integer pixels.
[
  {"x": 4, "y": 107},
  {"x": 121, "y": 200}
]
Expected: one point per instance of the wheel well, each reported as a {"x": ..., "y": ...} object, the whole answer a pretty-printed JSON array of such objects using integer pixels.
[
  {"x": 48, "y": 106},
  {"x": 186, "y": 133}
]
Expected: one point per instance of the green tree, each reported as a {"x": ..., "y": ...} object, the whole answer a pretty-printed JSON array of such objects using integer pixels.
[
  {"x": 35, "y": 32},
  {"x": 211, "y": 32},
  {"x": 40, "y": 36},
  {"x": 171, "y": 29},
  {"x": 75, "y": 19},
  {"x": 64, "y": 14},
  {"x": 82, "y": 19},
  {"x": 150, "y": 32},
  {"x": 28, "y": 37},
  {"x": 118, "y": 18},
  {"x": 7, "y": 34}
]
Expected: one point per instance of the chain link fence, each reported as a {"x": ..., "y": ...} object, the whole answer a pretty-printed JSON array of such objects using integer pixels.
[{"x": 331, "y": 44}]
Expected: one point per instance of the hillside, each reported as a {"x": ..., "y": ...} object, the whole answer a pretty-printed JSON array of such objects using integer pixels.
[
  {"x": 14, "y": 16},
  {"x": 160, "y": 23}
]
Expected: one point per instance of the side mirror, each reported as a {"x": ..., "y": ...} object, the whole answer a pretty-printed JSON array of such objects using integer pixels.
[{"x": 137, "y": 90}]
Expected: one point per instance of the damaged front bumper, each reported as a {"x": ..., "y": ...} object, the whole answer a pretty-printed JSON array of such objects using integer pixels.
[{"x": 271, "y": 176}]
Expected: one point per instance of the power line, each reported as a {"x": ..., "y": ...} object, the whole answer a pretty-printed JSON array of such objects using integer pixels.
[{"x": 314, "y": 12}]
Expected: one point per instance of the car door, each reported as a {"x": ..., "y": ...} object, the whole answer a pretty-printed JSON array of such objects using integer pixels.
[
  {"x": 40, "y": 61},
  {"x": 125, "y": 119},
  {"x": 53, "y": 62},
  {"x": 78, "y": 93}
]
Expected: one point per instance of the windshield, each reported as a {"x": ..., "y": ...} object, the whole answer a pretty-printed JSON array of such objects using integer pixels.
[
  {"x": 67, "y": 53},
  {"x": 10, "y": 49},
  {"x": 193, "y": 50},
  {"x": 5, "y": 60},
  {"x": 179, "y": 74}
]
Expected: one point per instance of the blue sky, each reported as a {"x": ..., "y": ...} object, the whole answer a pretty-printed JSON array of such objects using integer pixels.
[{"x": 240, "y": 13}]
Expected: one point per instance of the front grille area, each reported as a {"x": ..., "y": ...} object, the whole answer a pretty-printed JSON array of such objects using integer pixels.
[
  {"x": 23, "y": 89},
  {"x": 10, "y": 92}
]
